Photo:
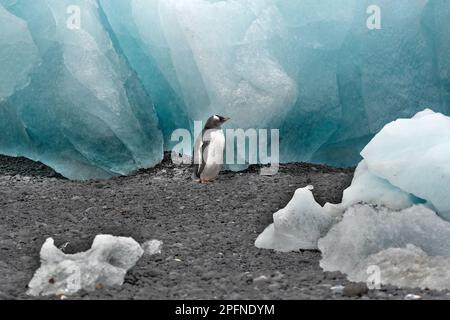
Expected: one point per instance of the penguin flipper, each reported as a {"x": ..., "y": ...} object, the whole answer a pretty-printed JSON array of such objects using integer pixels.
[{"x": 201, "y": 167}]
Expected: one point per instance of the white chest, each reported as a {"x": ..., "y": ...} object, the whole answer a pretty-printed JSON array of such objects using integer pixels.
[
  {"x": 216, "y": 147},
  {"x": 213, "y": 154}
]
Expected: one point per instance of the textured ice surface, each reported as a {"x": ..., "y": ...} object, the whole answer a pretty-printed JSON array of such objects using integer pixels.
[
  {"x": 385, "y": 223},
  {"x": 18, "y": 53},
  {"x": 78, "y": 108},
  {"x": 405, "y": 164},
  {"x": 86, "y": 102},
  {"x": 414, "y": 155},
  {"x": 297, "y": 226},
  {"x": 411, "y": 247},
  {"x": 410, "y": 267},
  {"x": 312, "y": 68},
  {"x": 105, "y": 264},
  {"x": 369, "y": 188}
]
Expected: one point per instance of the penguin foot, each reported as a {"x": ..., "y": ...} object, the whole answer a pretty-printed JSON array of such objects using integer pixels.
[{"x": 204, "y": 181}]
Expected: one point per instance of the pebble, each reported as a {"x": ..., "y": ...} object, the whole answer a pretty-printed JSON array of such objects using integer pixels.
[
  {"x": 260, "y": 279},
  {"x": 274, "y": 287},
  {"x": 277, "y": 276}
]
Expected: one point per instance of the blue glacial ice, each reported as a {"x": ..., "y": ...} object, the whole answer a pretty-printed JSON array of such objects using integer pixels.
[
  {"x": 406, "y": 164},
  {"x": 76, "y": 105},
  {"x": 394, "y": 216},
  {"x": 310, "y": 68},
  {"x": 414, "y": 156}
]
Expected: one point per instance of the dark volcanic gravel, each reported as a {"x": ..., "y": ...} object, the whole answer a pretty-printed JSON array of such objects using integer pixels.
[{"x": 208, "y": 231}]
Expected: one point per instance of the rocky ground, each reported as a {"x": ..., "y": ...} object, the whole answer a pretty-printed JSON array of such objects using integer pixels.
[{"x": 208, "y": 231}]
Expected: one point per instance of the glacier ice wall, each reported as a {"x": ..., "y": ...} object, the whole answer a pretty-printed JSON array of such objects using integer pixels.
[
  {"x": 310, "y": 68},
  {"x": 18, "y": 53},
  {"x": 76, "y": 105}
]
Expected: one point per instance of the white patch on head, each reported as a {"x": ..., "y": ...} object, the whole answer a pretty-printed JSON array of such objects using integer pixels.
[{"x": 216, "y": 118}]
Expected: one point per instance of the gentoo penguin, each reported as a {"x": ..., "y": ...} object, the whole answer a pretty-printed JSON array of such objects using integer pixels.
[{"x": 208, "y": 150}]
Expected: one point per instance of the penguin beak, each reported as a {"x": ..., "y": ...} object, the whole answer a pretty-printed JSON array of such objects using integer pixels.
[{"x": 225, "y": 119}]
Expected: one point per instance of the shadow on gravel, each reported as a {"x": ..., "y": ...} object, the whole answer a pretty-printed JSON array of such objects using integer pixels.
[{"x": 11, "y": 166}]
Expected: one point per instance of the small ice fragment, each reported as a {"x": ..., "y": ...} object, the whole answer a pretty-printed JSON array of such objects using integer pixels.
[
  {"x": 337, "y": 289},
  {"x": 261, "y": 279},
  {"x": 152, "y": 247},
  {"x": 179, "y": 159}
]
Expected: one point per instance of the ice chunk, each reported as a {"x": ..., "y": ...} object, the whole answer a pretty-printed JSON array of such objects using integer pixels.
[
  {"x": 83, "y": 111},
  {"x": 297, "y": 226},
  {"x": 180, "y": 159},
  {"x": 152, "y": 247},
  {"x": 414, "y": 156},
  {"x": 410, "y": 247},
  {"x": 105, "y": 264},
  {"x": 368, "y": 188}
]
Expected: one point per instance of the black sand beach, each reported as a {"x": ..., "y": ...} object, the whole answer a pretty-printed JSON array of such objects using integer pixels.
[{"x": 208, "y": 231}]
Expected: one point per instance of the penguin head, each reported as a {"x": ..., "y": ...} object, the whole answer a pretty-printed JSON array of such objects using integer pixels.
[{"x": 216, "y": 122}]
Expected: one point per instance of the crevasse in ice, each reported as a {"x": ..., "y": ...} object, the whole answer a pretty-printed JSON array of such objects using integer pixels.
[{"x": 103, "y": 100}]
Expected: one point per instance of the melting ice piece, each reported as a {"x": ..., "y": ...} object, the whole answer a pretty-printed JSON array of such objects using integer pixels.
[
  {"x": 152, "y": 247},
  {"x": 368, "y": 188},
  {"x": 414, "y": 156},
  {"x": 179, "y": 159},
  {"x": 297, "y": 226},
  {"x": 411, "y": 247},
  {"x": 106, "y": 264}
]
